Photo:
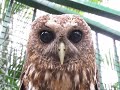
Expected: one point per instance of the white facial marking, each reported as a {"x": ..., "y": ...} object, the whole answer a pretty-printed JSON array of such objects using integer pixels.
[
  {"x": 30, "y": 86},
  {"x": 58, "y": 76},
  {"x": 33, "y": 88},
  {"x": 28, "y": 68},
  {"x": 31, "y": 70},
  {"x": 51, "y": 22},
  {"x": 36, "y": 75},
  {"x": 95, "y": 74},
  {"x": 61, "y": 52},
  {"x": 47, "y": 75},
  {"x": 70, "y": 24},
  {"x": 84, "y": 76},
  {"x": 51, "y": 66},
  {"x": 92, "y": 86},
  {"x": 68, "y": 68},
  {"x": 76, "y": 79}
]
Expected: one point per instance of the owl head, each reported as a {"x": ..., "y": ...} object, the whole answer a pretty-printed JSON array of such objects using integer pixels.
[{"x": 60, "y": 40}]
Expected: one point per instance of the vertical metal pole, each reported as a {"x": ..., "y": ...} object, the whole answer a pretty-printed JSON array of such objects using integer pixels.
[
  {"x": 116, "y": 63},
  {"x": 34, "y": 14},
  {"x": 98, "y": 57},
  {"x": 3, "y": 40},
  {"x": 5, "y": 23}
]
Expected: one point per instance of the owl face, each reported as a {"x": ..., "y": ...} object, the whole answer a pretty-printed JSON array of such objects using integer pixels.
[
  {"x": 60, "y": 39},
  {"x": 60, "y": 55}
]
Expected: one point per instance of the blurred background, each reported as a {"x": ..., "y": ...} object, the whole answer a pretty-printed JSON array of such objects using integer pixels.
[{"x": 16, "y": 17}]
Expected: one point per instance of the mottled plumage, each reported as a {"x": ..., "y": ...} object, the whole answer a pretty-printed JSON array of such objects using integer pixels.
[{"x": 64, "y": 63}]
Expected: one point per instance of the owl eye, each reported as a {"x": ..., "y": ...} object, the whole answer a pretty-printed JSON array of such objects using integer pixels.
[
  {"x": 75, "y": 36},
  {"x": 47, "y": 36}
]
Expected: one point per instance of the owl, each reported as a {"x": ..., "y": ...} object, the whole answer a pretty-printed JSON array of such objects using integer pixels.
[{"x": 60, "y": 55}]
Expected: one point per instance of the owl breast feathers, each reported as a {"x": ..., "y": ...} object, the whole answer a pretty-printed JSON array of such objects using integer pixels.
[{"x": 60, "y": 55}]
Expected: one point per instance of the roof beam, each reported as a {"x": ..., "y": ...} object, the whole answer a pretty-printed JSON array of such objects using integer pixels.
[
  {"x": 91, "y": 7},
  {"x": 41, "y": 4}
]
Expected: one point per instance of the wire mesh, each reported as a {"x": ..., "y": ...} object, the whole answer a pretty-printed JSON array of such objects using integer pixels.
[{"x": 13, "y": 39}]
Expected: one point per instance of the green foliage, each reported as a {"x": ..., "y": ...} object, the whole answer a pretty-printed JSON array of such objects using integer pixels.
[
  {"x": 16, "y": 7},
  {"x": 96, "y": 1},
  {"x": 75, "y": 10},
  {"x": 116, "y": 86},
  {"x": 11, "y": 74}
]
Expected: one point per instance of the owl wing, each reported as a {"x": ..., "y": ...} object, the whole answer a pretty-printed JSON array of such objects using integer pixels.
[
  {"x": 97, "y": 85},
  {"x": 22, "y": 86}
]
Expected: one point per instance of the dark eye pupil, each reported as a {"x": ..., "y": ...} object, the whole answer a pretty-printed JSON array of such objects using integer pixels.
[
  {"x": 47, "y": 36},
  {"x": 75, "y": 36}
]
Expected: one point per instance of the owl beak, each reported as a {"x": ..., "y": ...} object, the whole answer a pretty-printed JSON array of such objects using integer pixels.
[{"x": 61, "y": 52}]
